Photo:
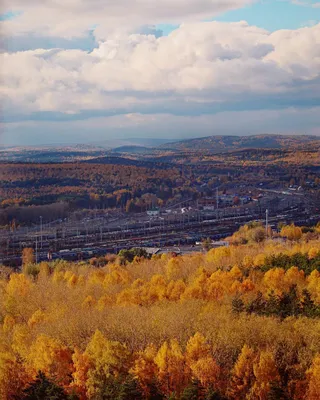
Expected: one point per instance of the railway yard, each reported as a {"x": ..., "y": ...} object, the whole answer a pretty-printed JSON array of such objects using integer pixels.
[{"x": 107, "y": 232}]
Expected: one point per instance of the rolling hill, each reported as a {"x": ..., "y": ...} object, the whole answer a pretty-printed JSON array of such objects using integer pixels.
[{"x": 217, "y": 144}]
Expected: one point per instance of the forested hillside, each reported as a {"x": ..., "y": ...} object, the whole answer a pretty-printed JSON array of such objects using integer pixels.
[
  {"x": 218, "y": 143},
  {"x": 28, "y": 190},
  {"x": 238, "y": 322}
]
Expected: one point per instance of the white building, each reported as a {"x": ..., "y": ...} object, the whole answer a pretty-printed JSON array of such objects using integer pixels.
[
  {"x": 209, "y": 208},
  {"x": 154, "y": 212}
]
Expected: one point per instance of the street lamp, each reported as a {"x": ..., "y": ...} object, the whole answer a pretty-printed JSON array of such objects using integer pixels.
[{"x": 40, "y": 231}]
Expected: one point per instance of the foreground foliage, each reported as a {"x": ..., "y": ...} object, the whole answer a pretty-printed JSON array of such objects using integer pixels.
[{"x": 239, "y": 322}]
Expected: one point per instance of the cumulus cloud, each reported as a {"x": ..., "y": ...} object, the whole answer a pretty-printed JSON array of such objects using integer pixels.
[
  {"x": 200, "y": 66},
  {"x": 73, "y": 18},
  {"x": 297, "y": 51},
  {"x": 306, "y": 3}
]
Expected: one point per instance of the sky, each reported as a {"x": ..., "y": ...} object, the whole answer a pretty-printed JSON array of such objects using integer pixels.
[{"x": 79, "y": 71}]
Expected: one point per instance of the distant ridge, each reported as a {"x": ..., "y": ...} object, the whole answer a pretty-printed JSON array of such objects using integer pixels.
[
  {"x": 219, "y": 143},
  {"x": 131, "y": 149},
  {"x": 115, "y": 160},
  {"x": 140, "y": 142}
]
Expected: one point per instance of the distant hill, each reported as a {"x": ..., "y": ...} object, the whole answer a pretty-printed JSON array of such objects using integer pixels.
[
  {"x": 114, "y": 160},
  {"x": 131, "y": 149},
  {"x": 217, "y": 144},
  {"x": 140, "y": 142}
]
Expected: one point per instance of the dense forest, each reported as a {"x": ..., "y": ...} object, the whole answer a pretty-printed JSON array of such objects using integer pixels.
[
  {"x": 218, "y": 144},
  {"x": 84, "y": 184},
  {"x": 28, "y": 190},
  {"x": 237, "y": 322}
]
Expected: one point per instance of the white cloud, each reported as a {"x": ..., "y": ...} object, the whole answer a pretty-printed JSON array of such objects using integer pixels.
[
  {"x": 297, "y": 51},
  {"x": 306, "y": 3},
  {"x": 205, "y": 62},
  {"x": 73, "y": 18}
]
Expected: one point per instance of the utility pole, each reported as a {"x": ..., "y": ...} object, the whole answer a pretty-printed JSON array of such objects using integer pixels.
[
  {"x": 40, "y": 231},
  {"x": 36, "y": 249},
  {"x": 267, "y": 220},
  {"x": 217, "y": 198}
]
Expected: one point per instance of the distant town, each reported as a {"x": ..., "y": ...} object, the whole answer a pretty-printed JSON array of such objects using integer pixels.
[{"x": 76, "y": 211}]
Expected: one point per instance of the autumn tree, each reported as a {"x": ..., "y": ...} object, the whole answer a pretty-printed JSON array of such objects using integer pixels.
[
  {"x": 144, "y": 368},
  {"x": 291, "y": 232},
  {"x": 200, "y": 361},
  {"x": 109, "y": 358},
  {"x": 172, "y": 373},
  {"x": 13, "y": 375},
  {"x": 48, "y": 355},
  {"x": 242, "y": 377},
  {"x": 313, "y": 391},
  {"x": 266, "y": 375},
  {"x": 43, "y": 388},
  {"x": 28, "y": 256},
  {"x": 81, "y": 365}
]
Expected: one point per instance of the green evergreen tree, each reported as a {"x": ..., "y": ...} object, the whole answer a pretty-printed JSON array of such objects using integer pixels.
[
  {"x": 258, "y": 305},
  {"x": 276, "y": 392},
  {"x": 212, "y": 394},
  {"x": 272, "y": 304},
  {"x": 130, "y": 390},
  {"x": 309, "y": 309},
  {"x": 238, "y": 305},
  {"x": 154, "y": 392},
  {"x": 289, "y": 303},
  {"x": 111, "y": 388},
  {"x": 44, "y": 389},
  {"x": 192, "y": 392}
]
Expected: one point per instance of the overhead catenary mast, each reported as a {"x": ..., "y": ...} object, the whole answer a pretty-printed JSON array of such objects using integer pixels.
[
  {"x": 217, "y": 198},
  {"x": 267, "y": 221}
]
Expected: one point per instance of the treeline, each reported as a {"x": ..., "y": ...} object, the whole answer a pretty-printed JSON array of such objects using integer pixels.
[
  {"x": 86, "y": 185},
  {"x": 218, "y": 325},
  {"x": 91, "y": 185},
  {"x": 106, "y": 370},
  {"x": 31, "y": 214},
  {"x": 284, "y": 305},
  {"x": 286, "y": 261}
]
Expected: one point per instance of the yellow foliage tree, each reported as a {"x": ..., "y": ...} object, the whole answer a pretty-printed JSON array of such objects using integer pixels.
[
  {"x": 172, "y": 373},
  {"x": 266, "y": 373},
  {"x": 291, "y": 232},
  {"x": 242, "y": 374},
  {"x": 144, "y": 368},
  {"x": 175, "y": 290},
  {"x": 21, "y": 340},
  {"x": 27, "y": 256},
  {"x": 36, "y": 318},
  {"x": 8, "y": 323},
  {"x": 173, "y": 269},
  {"x": 13, "y": 376},
  {"x": 51, "y": 357},
  {"x": 313, "y": 391},
  {"x": 197, "y": 347},
  {"x": 313, "y": 285},
  {"x": 109, "y": 358},
  {"x": 313, "y": 252},
  {"x": 274, "y": 279},
  {"x": 81, "y": 365},
  {"x": 259, "y": 260},
  {"x": 207, "y": 372},
  {"x": 199, "y": 359}
]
